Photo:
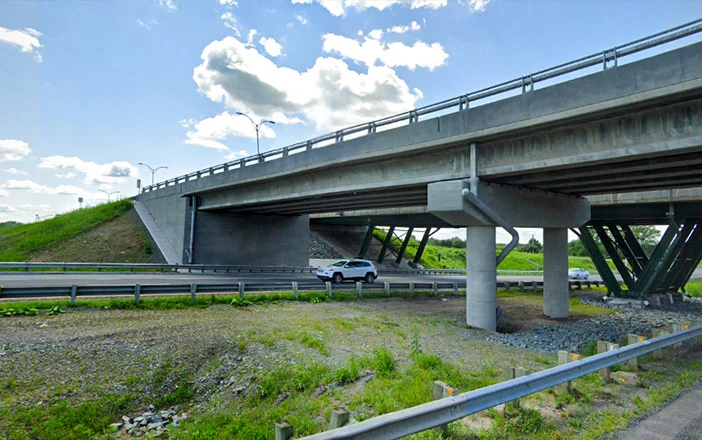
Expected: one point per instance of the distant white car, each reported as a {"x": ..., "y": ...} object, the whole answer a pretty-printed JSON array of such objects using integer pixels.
[
  {"x": 577, "y": 273},
  {"x": 352, "y": 269}
]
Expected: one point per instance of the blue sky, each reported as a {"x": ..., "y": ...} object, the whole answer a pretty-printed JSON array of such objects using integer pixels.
[{"x": 91, "y": 88}]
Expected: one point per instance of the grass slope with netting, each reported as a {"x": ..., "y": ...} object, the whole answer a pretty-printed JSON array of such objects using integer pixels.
[{"x": 19, "y": 242}]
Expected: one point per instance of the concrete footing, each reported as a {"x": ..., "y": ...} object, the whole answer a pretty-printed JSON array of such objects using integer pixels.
[
  {"x": 481, "y": 298},
  {"x": 556, "y": 272}
]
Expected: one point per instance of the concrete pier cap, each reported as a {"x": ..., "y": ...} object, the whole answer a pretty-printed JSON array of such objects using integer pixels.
[{"x": 518, "y": 207}]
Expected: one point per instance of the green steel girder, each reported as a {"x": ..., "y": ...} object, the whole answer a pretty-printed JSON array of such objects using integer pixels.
[
  {"x": 652, "y": 269},
  {"x": 687, "y": 261},
  {"x": 625, "y": 247},
  {"x": 423, "y": 244},
  {"x": 367, "y": 241},
  {"x": 386, "y": 243},
  {"x": 405, "y": 243},
  {"x": 636, "y": 248},
  {"x": 658, "y": 282},
  {"x": 614, "y": 255},
  {"x": 599, "y": 261}
]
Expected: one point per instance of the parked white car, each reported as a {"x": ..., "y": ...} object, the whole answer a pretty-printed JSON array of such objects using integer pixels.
[
  {"x": 577, "y": 273},
  {"x": 353, "y": 269}
]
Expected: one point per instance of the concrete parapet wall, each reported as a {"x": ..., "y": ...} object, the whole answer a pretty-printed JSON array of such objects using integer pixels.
[{"x": 169, "y": 212}]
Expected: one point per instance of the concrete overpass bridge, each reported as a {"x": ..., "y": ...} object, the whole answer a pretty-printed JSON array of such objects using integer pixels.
[{"x": 527, "y": 160}]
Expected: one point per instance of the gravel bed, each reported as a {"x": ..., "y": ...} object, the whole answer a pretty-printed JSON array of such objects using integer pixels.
[{"x": 574, "y": 336}]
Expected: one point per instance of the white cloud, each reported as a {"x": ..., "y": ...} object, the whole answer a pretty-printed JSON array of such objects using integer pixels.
[
  {"x": 167, "y": 4},
  {"x": 148, "y": 25},
  {"x": 7, "y": 208},
  {"x": 228, "y": 3},
  {"x": 329, "y": 93},
  {"x": 375, "y": 34},
  {"x": 301, "y": 19},
  {"x": 230, "y": 22},
  {"x": 212, "y": 131},
  {"x": 187, "y": 123},
  {"x": 42, "y": 208},
  {"x": 477, "y": 5},
  {"x": 414, "y": 26},
  {"x": 66, "y": 176},
  {"x": 272, "y": 47},
  {"x": 26, "y": 40},
  {"x": 4, "y": 193},
  {"x": 236, "y": 154},
  {"x": 394, "y": 54},
  {"x": 36, "y": 188},
  {"x": 250, "y": 37},
  {"x": 110, "y": 173},
  {"x": 16, "y": 172},
  {"x": 13, "y": 150},
  {"x": 338, "y": 7}
]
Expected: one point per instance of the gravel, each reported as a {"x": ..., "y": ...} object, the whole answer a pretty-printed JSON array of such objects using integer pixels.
[{"x": 630, "y": 318}]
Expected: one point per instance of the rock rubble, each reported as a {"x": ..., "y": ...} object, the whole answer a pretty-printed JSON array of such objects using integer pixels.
[{"x": 151, "y": 422}]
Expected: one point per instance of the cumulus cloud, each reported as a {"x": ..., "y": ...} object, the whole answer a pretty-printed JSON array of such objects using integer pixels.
[
  {"x": 301, "y": 19},
  {"x": 41, "y": 207},
  {"x": 228, "y": 3},
  {"x": 339, "y": 7},
  {"x": 148, "y": 25},
  {"x": 212, "y": 131},
  {"x": 477, "y": 5},
  {"x": 236, "y": 154},
  {"x": 230, "y": 21},
  {"x": 167, "y": 4},
  {"x": 329, "y": 93},
  {"x": 414, "y": 26},
  {"x": 13, "y": 150},
  {"x": 26, "y": 40},
  {"x": 7, "y": 208},
  {"x": 109, "y": 173},
  {"x": 272, "y": 47},
  {"x": 396, "y": 54},
  {"x": 4, "y": 193},
  {"x": 16, "y": 172},
  {"x": 36, "y": 188}
]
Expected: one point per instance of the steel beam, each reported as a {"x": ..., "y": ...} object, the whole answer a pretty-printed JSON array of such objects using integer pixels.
[
  {"x": 366, "y": 241},
  {"x": 599, "y": 261},
  {"x": 386, "y": 243},
  {"x": 614, "y": 255},
  {"x": 405, "y": 243}
]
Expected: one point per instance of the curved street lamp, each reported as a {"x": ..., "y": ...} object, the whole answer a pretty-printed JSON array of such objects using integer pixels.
[
  {"x": 153, "y": 170},
  {"x": 108, "y": 194},
  {"x": 257, "y": 127}
]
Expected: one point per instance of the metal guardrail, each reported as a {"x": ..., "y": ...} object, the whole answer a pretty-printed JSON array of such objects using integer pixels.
[
  {"x": 100, "y": 267},
  {"x": 525, "y": 83},
  {"x": 440, "y": 412}
]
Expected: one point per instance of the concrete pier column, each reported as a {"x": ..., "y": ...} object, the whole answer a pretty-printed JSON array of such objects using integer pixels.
[
  {"x": 556, "y": 272},
  {"x": 481, "y": 291}
]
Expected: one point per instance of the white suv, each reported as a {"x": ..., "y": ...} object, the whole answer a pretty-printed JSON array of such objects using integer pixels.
[{"x": 353, "y": 269}]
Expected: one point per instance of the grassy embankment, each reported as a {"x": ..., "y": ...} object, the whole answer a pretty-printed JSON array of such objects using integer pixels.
[
  {"x": 439, "y": 257},
  {"x": 98, "y": 234}
]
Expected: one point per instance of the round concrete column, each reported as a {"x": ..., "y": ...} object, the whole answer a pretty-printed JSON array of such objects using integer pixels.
[
  {"x": 556, "y": 273},
  {"x": 481, "y": 283}
]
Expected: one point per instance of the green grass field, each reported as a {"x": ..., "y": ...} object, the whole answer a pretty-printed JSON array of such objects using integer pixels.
[{"x": 18, "y": 242}]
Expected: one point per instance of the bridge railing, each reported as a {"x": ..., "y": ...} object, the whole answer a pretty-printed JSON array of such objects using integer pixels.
[{"x": 525, "y": 83}]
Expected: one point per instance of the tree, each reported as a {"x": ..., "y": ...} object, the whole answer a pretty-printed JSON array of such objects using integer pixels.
[{"x": 533, "y": 246}]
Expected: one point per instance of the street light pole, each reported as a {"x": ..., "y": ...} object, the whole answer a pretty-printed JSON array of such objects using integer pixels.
[
  {"x": 257, "y": 127},
  {"x": 153, "y": 170},
  {"x": 109, "y": 194}
]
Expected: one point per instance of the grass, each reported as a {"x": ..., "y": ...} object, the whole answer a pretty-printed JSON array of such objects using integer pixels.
[
  {"x": 19, "y": 242},
  {"x": 694, "y": 288}
]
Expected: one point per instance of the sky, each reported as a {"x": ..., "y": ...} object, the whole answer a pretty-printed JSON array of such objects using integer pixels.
[{"x": 90, "y": 89}]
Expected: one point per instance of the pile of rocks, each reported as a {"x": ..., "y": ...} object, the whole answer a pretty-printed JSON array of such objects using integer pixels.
[
  {"x": 574, "y": 336},
  {"x": 151, "y": 422}
]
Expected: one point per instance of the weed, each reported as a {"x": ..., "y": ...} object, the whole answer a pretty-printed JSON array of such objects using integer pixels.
[
  {"x": 56, "y": 310},
  {"x": 349, "y": 372},
  {"x": 240, "y": 302},
  {"x": 590, "y": 349},
  {"x": 415, "y": 340}
]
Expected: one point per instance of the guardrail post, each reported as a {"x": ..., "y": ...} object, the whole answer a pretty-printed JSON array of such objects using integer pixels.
[
  {"x": 679, "y": 328},
  {"x": 411, "y": 286},
  {"x": 295, "y": 291},
  {"x": 339, "y": 418},
  {"x": 387, "y": 288},
  {"x": 193, "y": 292},
  {"x": 283, "y": 431},
  {"x": 534, "y": 285},
  {"x": 242, "y": 288},
  {"x": 436, "y": 288},
  {"x": 505, "y": 286},
  {"x": 565, "y": 357},
  {"x": 603, "y": 347},
  {"x": 441, "y": 391},
  {"x": 329, "y": 288},
  {"x": 630, "y": 340},
  {"x": 656, "y": 332},
  {"x": 74, "y": 292},
  {"x": 137, "y": 293},
  {"x": 359, "y": 288}
]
